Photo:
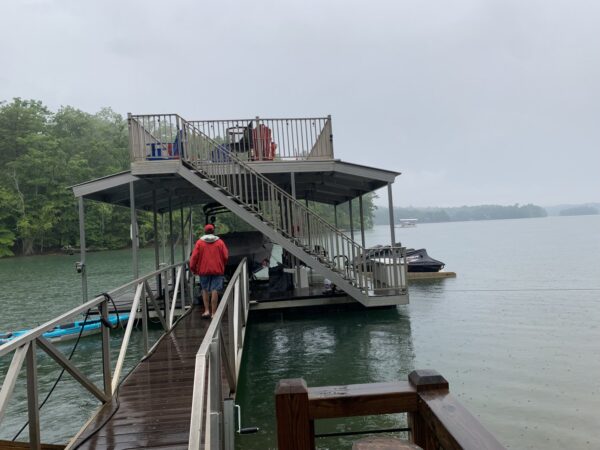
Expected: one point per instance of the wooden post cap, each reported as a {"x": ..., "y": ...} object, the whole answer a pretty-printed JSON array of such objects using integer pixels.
[
  {"x": 291, "y": 386},
  {"x": 427, "y": 380},
  {"x": 383, "y": 443}
]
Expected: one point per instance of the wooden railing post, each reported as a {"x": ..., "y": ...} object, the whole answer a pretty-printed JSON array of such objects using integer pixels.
[
  {"x": 295, "y": 429},
  {"x": 424, "y": 380}
]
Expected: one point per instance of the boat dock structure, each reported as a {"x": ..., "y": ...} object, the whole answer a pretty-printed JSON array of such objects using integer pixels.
[{"x": 182, "y": 392}]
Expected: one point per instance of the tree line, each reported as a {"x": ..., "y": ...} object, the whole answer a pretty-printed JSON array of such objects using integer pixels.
[{"x": 43, "y": 153}]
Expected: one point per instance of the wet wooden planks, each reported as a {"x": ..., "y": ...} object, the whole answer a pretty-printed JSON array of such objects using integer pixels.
[{"x": 153, "y": 406}]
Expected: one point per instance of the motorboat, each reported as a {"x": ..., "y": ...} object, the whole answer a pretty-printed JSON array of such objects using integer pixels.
[
  {"x": 408, "y": 223},
  {"x": 417, "y": 260},
  {"x": 420, "y": 261}
]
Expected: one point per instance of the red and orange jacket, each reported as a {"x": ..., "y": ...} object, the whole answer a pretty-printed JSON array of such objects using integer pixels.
[{"x": 209, "y": 256}]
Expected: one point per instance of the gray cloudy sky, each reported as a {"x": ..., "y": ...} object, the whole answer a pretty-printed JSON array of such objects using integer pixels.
[{"x": 474, "y": 101}]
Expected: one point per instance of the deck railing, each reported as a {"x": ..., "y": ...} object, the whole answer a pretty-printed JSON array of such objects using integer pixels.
[
  {"x": 373, "y": 271},
  {"x": 162, "y": 137},
  {"x": 436, "y": 420},
  {"x": 262, "y": 139},
  {"x": 156, "y": 137},
  {"x": 25, "y": 346},
  {"x": 212, "y": 418}
]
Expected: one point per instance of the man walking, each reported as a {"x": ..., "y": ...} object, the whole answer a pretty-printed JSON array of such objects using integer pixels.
[{"x": 208, "y": 260}]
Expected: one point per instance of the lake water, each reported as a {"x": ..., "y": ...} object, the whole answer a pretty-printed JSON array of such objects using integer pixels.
[{"x": 516, "y": 334}]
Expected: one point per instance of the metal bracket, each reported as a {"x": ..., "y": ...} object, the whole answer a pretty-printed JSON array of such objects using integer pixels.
[{"x": 246, "y": 430}]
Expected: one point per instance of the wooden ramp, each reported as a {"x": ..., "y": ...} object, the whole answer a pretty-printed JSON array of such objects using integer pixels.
[{"x": 153, "y": 406}]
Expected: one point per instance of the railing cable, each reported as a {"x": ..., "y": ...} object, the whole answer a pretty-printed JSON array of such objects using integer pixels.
[{"x": 105, "y": 322}]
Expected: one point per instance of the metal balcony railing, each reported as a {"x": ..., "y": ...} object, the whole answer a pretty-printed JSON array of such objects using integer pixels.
[
  {"x": 262, "y": 139},
  {"x": 158, "y": 137}
]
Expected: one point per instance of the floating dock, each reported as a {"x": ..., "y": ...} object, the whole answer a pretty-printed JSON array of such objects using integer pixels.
[{"x": 412, "y": 276}]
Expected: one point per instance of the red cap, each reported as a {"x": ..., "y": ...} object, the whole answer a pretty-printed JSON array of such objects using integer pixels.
[{"x": 209, "y": 228}]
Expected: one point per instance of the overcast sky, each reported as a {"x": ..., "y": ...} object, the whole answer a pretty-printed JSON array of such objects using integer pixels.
[{"x": 489, "y": 101}]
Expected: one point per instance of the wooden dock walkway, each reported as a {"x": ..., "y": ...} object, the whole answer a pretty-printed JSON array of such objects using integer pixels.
[{"x": 153, "y": 406}]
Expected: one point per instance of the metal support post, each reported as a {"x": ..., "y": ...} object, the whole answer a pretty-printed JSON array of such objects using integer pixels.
[
  {"x": 81, "y": 266},
  {"x": 293, "y": 184},
  {"x": 134, "y": 232},
  {"x": 191, "y": 248},
  {"x": 171, "y": 240},
  {"x": 144, "y": 301},
  {"x": 156, "y": 240},
  {"x": 335, "y": 220},
  {"x": 183, "y": 255},
  {"x": 216, "y": 396},
  {"x": 362, "y": 220},
  {"x": 391, "y": 210},
  {"x": 228, "y": 424},
  {"x": 258, "y": 146},
  {"x": 351, "y": 221},
  {"x": 337, "y": 237},
  {"x": 182, "y": 280}
]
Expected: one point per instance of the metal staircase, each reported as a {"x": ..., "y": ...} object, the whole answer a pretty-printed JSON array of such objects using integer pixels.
[{"x": 371, "y": 276}]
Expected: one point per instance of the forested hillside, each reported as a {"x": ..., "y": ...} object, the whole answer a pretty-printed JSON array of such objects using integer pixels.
[{"x": 42, "y": 153}]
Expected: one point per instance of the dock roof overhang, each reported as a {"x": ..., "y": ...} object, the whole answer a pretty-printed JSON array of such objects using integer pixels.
[{"x": 330, "y": 181}]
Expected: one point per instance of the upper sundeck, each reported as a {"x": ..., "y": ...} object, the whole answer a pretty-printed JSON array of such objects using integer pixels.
[
  {"x": 296, "y": 154},
  {"x": 168, "y": 136}
]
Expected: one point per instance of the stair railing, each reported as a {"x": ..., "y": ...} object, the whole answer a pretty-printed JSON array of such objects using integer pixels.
[
  {"x": 371, "y": 270},
  {"x": 169, "y": 136}
]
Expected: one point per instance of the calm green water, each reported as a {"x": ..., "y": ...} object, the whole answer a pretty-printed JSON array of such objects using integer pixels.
[{"x": 516, "y": 334}]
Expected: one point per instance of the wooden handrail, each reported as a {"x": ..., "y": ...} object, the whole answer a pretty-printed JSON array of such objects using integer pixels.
[
  {"x": 436, "y": 418},
  {"x": 362, "y": 400}
]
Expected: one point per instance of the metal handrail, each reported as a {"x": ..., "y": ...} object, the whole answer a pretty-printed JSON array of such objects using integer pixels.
[
  {"x": 272, "y": 139},
  {"x": 207, "y": 401},
  {"x": 25, "y": 346}
]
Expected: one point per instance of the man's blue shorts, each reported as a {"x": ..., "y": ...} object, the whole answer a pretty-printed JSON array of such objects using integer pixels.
[{"x": 211, "y": 283}]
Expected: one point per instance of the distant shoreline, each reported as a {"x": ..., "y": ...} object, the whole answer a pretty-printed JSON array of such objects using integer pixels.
[{"x": 482, "y": 212}]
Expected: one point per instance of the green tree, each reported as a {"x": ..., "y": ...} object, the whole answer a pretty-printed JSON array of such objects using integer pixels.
[
  {"x": 19, "y": 119},
  {"x": 8, "y": 208}
]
